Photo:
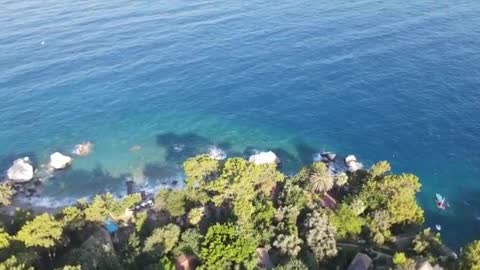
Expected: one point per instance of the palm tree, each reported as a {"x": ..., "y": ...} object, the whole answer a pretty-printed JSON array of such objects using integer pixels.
[{"x": 321, "y": 179}]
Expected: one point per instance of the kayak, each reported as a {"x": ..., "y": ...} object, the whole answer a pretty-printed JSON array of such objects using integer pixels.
[{"x": 440, "y": 201}]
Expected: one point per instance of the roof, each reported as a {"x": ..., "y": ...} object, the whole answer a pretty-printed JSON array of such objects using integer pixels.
[
  {"x": 329, "y": 201},
  {"x": 360, "y": 262},
  {"x": 186, "y": 262}
]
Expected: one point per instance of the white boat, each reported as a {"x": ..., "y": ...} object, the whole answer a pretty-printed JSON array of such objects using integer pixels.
[{"x": 438, "y": 227}]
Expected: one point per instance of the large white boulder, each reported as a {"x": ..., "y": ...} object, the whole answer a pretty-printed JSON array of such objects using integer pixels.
[
  {"x": 264, "y": 158},
  {"x": 350, "y": 158},
  {"x": 59, "y": 161},
  {"x": 21, "y": 170}
]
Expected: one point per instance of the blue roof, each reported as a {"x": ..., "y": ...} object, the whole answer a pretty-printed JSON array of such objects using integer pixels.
[{"x": 111, "y": 225}]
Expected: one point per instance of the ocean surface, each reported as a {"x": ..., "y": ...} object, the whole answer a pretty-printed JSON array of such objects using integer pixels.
[{"x": 384, "y": 80}]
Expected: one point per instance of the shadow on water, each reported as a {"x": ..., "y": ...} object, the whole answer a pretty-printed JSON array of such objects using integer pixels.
[
  {"x": 163, "y": 173},
  {"x": 179, "y": 147},
  {"x": 81, "y": 182},
  {"x": 305, "y": 152}
]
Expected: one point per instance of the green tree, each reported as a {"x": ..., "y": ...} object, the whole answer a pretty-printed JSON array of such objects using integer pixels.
[
  {"x": 105, "y": 205},
  {"x": 341, "y": 179},
  {"x": 428, "y": 244},
  {"x": 286, "y": 218},
  {"x": 196, "y": 215},
  {"x": 293, "y": 264},
  {"x": 380, "y": 169},
  {"x": 6, "y": 193},
  {"x": 399, "y": 258},
  {"x": 241, "y": 184},
  {"x": 379, "y": 226},
  {"x": 224, "y": 248},
  {"x": 199, "y": 169},
  {"x": 470, "y": 257},
  {"x": 288, "y": 244},
  {"x": 171, "y": 201},
  {"x": 100, "y": 208},
  {"x": 391, "y": 200},
  {"x": 73, "y": 218},
  {"x": 5, "y": 238},
  {"x": 189, "y": 244},
  {"x": 295, "y": 195},
  {"x": 13, "y": 264},
  {"x": 43, "y": 231},
  {"x": 403, "y": 261},
  {"x": 321, "y": 179},
  {"x": 141, "y": 219},
  {"x": 162, "y": 240},
  {"x": 397, "y": 195},
  {"x": 166, "y": 264},
  {"x": 320, "y": 235},
  {"x": 71, "y": 267},
  {"x": 347, "y": 222},
  {"x": 358, "y": 206}
]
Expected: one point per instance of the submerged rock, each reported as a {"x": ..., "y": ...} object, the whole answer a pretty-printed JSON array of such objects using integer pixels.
[
  {"x": 83, "y": 149},
  {"x": 59, "y": 161},
  {"x": 331, "y": 156},
  {"x": 135, "y": 148},
  {"x": 264, "y": 158},
  {"x": 21, "y": 170}
]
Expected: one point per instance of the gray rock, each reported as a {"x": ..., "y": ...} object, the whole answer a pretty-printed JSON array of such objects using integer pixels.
[
  {"x": 21, "y": 170},
  {"x": 59, "y": 161}
]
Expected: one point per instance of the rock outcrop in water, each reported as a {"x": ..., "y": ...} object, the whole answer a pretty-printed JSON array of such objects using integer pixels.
[
  {"x": 21, "y": 170},
  {"x": 83, "y": 149},
  {"x": 353, "y": 164},
  {"x": 264, "y": 158},
  {"x": 59, "y": 161}
]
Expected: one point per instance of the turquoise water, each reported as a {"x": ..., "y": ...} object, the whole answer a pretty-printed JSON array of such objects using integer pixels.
[{"x": 395, "y": 80}]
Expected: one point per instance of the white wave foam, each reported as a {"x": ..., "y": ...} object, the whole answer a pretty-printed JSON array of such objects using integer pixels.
[
  {"x": 217, "y": 153},
  {"x": 46, "y": 202}
]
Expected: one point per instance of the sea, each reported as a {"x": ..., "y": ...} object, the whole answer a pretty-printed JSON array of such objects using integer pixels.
[{"x": 151, "y": 83}]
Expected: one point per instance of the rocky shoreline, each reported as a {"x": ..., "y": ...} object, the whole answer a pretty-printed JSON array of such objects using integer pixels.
[{"x": 26, "y": 180}]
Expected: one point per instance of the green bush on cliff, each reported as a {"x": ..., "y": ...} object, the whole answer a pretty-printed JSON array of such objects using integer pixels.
[
  {"x": 43, "y": 231},
  {"x": 228, "y": 210},
  {"x": 470, "y": 258}
]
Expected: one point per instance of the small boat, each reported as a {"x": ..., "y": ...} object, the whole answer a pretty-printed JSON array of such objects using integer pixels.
[
  {"x": 438, "y": 227},
  {"x": 440, "y": 201}
]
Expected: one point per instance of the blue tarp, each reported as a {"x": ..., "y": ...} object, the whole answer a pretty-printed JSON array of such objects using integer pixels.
[{"x": 111, "y": 225}]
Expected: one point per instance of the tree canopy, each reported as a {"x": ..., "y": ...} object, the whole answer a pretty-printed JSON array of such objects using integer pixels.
[
  {"x": 224, "y": 248},
  {"x": 235, "y": 214},
  {"x": 42, "y": 231},
  {"x": 470, "y": 258}
]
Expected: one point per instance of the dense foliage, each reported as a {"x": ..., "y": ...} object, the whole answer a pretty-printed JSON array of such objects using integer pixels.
[
  {"x": 470, "y": 259},
  {"x": 234, "y": 214}
]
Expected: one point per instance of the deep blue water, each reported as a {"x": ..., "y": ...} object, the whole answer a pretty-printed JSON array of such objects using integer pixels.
[{"x": 395, "y": 80}]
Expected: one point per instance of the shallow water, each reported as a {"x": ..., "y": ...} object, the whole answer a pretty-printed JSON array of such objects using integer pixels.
[{"x": 382, "y": 79}]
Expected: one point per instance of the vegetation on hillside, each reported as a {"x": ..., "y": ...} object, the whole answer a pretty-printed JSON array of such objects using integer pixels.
[{"x": 230, "y": 212}]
